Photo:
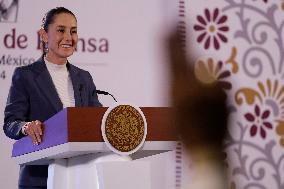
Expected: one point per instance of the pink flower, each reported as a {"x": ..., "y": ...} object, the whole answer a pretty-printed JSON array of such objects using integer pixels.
[
  {"x": 259, "y": 122},
  {"x": 212, "y": 28}
]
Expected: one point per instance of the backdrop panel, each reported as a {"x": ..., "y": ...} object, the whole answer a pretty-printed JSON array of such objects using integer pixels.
[{"x": 121, "y": 45}]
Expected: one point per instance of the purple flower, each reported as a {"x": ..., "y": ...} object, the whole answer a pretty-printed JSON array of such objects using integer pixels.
[
  {"x": 212, "y": 28},
  {"x": 259, "y": 121}
]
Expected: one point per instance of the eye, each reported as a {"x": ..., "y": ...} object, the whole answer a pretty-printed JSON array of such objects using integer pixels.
[
  {"x": 74, "y": 31},
  {"x": 61, "y": 30}
]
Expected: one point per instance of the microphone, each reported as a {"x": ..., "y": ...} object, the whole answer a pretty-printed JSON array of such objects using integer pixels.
[
  {"x": 105, "y": 93},
  {"x": 80, "y": 93}
]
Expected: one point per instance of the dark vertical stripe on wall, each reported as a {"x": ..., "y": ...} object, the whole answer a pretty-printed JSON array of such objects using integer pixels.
[
  {"x": 178, "y": 167},
  {"x": 181, "y": 28}
]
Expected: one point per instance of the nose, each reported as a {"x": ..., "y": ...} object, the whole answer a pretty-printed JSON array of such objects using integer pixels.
[{"x": 68, "y": 36}]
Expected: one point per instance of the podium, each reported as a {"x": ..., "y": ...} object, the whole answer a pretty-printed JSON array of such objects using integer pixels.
[{"x": 73, "y": 144}]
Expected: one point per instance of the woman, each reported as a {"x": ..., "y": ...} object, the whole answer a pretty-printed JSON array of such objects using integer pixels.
[{"x": 42, "y": 89}]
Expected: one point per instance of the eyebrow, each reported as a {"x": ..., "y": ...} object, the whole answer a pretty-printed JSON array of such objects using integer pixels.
[{"x": 61, "y": 26}]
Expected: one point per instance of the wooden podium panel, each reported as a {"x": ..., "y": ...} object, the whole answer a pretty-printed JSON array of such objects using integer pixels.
[{"x": 89, "y": 119}]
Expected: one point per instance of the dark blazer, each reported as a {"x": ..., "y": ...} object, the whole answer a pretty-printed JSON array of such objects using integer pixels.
[{"x": 33, "y": 96}]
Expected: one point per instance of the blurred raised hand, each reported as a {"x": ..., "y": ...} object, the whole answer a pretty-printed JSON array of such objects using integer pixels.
[{"x": 200, "y": 117}]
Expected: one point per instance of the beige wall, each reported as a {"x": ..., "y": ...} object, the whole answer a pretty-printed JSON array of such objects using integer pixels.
[{"x": 132, "y": 68}]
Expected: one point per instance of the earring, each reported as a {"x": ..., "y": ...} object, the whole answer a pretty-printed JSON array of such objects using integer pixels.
[{"x": 45, "y": 48}]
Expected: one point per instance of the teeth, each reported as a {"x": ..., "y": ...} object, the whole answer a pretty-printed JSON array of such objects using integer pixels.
[{"x": 66, "y": 46}]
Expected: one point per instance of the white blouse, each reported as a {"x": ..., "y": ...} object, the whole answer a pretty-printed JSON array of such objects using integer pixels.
[{"x": 63, "y": 84}]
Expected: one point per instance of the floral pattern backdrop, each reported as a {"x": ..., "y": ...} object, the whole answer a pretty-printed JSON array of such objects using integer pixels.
[{"x": 240, "y": 43}]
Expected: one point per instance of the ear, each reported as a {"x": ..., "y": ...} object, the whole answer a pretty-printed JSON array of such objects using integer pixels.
[{"x": 43, "y": 35}]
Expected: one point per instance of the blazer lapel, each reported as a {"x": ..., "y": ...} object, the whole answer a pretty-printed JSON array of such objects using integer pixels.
[
  {"x": 78, "y": 86},
  {"x": 45, "y": 83}
]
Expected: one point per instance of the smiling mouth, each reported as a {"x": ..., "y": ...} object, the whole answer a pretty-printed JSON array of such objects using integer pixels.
[{"x": 66, "y": 46}]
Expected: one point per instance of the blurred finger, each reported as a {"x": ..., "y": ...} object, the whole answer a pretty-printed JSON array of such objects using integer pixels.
[
  {"x": 177, "y": 55},
  {"x": 31, "y": 133},
  {"x": 37, "y": 131},
  {"x": 38, "y": 127}
]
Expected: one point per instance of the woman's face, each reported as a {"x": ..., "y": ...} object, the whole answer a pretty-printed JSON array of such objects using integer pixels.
[{"x": 62, "y": 38}]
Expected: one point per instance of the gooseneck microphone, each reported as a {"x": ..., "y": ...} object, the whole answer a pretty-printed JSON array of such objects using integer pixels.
[
  {"x": 80, "y": 93},
  {"x": 105, "y": 93}
]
